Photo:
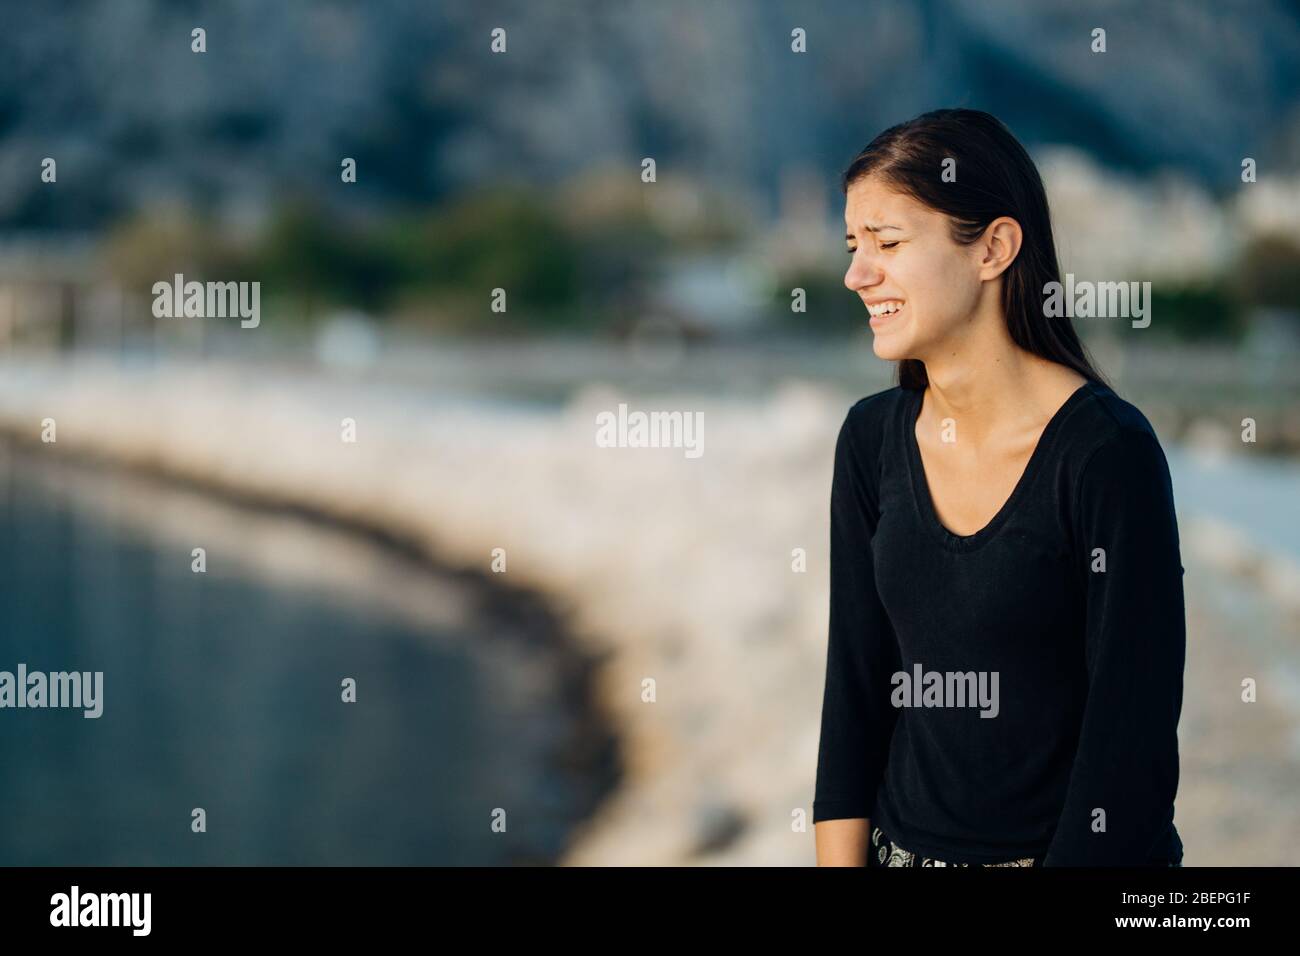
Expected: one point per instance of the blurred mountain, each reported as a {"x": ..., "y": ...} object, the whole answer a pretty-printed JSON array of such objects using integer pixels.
[{"x": 412, "y": 91}]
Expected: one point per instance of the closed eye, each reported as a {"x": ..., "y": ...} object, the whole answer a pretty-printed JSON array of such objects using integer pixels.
[{"x": 890, "y": 244}]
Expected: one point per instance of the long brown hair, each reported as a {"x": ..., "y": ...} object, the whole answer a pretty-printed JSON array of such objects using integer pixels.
[{"x": 994, "y": 177}]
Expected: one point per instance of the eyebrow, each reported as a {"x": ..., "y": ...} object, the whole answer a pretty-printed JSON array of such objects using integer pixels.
[{"x": 871, "y": 227}]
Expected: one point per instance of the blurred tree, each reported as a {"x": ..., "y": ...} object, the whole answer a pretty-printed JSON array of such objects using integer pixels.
[
  {"x": 505, "y": 239},
  {"x": 830, "y": 308},
  {"x": 324, "y": 261},
  {"x": 154, "y": 246},
  {"x": 1268, "y": 273},
  {"x": 1200, "y": 312}
]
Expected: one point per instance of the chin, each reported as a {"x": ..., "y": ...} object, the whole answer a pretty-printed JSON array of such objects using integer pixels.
[{"x": 890, "y": 348}]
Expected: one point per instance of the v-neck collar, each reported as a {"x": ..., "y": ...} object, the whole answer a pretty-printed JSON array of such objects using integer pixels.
[{"x": 920, "y": 486}]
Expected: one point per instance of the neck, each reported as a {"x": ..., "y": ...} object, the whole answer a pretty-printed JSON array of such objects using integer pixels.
[{"x": 981, "y": 378}]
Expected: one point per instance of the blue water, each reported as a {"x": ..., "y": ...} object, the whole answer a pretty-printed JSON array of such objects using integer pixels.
[
  {"x": 222, "y": 691},
  {"x": 1256, "y": 494}
]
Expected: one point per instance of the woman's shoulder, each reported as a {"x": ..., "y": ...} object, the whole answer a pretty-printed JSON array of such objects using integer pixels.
[
  {"x": 1109, "y": 433},
  {"x": 869, "y": 427},
  {"x": 873, "y": 419}
]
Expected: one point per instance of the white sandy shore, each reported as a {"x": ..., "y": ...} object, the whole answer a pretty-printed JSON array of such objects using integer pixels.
[{"x": 679, "y": 568}]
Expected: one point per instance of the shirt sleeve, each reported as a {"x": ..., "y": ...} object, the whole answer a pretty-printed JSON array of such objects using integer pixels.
[
  {"x": 857, "y": 719},
  {"x": 1126, "y": 763}
]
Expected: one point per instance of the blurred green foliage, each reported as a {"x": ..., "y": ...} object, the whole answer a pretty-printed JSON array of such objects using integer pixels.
[
  {"x": 1268, "y": 275},
  {"x": 1201, "y": 312},
  {"x": 306, "y": 255},
  {"x": 580, "y": 257},
  {"x": 446, "y": 261},
  {"x": 829, "y": 307},
  {"x": 1265, "y": 275}
]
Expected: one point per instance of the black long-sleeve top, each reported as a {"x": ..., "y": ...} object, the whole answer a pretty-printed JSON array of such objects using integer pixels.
[{"x": 1072, "y": 595}]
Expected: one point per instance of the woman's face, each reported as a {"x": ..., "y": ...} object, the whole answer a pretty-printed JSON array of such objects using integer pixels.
[{"x": 919, "y": 285}]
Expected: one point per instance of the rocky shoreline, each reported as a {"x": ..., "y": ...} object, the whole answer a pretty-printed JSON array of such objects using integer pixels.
[{"x": 457, "y": 484}]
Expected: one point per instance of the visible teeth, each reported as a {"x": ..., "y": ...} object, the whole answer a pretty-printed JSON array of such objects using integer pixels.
[{"x": 885, "y": 308}]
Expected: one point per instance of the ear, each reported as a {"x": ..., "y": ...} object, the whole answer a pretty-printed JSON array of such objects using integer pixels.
[{"x": 999, "y": 246}]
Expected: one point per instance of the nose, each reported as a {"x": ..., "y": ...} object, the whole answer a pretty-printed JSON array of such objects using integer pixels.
[{"x": 864, "y": 271}]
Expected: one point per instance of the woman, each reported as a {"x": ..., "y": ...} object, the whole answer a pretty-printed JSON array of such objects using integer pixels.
[{"x": 1005, "y": 655}]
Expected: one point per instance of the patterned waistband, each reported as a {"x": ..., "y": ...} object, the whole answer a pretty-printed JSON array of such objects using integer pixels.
[{"x": 885, "y": 852}]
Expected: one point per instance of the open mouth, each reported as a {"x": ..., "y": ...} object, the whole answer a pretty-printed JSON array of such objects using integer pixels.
[{"x": 882, "y": 312}]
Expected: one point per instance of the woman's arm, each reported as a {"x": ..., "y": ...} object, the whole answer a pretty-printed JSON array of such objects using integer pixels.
[
  {"x": 843, "y": 842},
  {"x": 857, "y": 719},
  {"x": 1120, "y": 800}
]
